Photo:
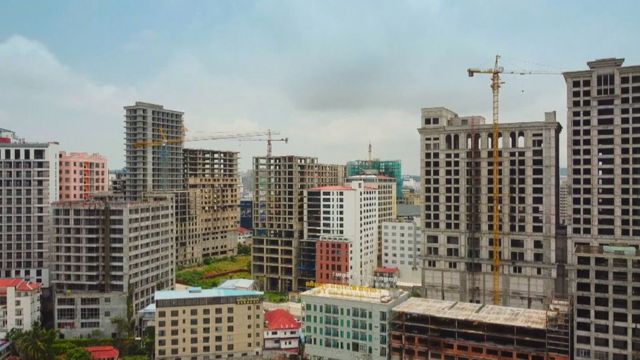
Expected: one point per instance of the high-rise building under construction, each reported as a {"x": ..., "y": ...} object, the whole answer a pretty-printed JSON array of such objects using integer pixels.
[
  {"x": 207, "y": 215},
  {"x": 603, "y": 146},
  {"x": 457, "y": 212},
  {"x": 149, "y": 167},
  {"x": 278, "y": 216}
]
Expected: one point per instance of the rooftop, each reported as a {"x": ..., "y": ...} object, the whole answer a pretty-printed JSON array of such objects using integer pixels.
[
  {"x": 192, "y": 293},
  {"x": 237, "y": 284},
  {"x": 19, "y": 284},
  {"x": 353, "y": 293},
  {"x": 103, "y": 352},
  {"x": 280, "y": 319},
  {"x": 389, "y": 270},
  {"x": 333, "y": 188},
  {"x": 493, "y": 314}
]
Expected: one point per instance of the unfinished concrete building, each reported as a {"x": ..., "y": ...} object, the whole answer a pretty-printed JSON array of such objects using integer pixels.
[
  {"x": 278, "y": 215},
  {"x": 149, "y": 167},
  {"x": 107, "y": 250},
  {"x": 423, "y": 329},
  {"x": 603, "y": 147},
  {"x": 606, "y": 284},
  {"x": 457, "y": 215},
  {"x": 207, "y": 216}
]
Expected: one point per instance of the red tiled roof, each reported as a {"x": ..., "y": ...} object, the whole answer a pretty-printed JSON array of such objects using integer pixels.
[
  {"x": 242, "y": 230},
  {"x": 333, "y": 188},
  {"x": 280, "y": 319},
  {"x": 19, "y": 284},
  {"x": 103, "y": 352},
  {"x": 387, "y": 270}
]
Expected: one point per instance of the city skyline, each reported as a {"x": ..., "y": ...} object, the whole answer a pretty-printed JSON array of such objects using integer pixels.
[{"x": 351, "y": 72}]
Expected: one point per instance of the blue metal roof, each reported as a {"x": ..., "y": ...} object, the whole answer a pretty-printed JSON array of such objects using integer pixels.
[{"x": 192, "y": 293}]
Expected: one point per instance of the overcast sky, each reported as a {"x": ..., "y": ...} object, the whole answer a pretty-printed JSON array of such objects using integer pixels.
[{"x": 330, "y": 75}]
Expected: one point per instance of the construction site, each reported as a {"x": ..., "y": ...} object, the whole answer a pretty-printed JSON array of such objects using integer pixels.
[
  {"x": 424, "y": 329},
  {"x": 207, "y": 216},
  {"x": 278, "y": 216}
]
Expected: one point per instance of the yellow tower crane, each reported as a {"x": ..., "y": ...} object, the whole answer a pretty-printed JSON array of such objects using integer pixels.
[{"x": 495, "y": 89}]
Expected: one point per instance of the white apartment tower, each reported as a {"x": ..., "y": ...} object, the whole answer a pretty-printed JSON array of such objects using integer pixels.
[
  {"x": 457, "y": 212},
  {"x": 347, "y": 213},
  {"x": 603, "y": 110},
  {"x": 28, "y": 184},
  {"x": 108, "y": 253},
  {"x": 152, "y": 165}
]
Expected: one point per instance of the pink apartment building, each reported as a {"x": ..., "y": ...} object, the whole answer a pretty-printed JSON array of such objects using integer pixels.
[{"x": 82, "y": 174}]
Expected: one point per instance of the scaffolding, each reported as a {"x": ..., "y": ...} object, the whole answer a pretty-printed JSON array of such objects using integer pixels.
[{"x": 391, "y": 168}]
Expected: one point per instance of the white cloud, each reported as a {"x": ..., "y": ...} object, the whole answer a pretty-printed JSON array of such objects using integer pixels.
[{"x": 44, "y": 100}]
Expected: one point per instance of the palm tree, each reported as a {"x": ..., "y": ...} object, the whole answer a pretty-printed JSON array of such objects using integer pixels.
[{"x": 35, "y": 344}]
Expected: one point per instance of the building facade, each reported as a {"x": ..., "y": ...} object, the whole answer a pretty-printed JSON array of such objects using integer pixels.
[
  {"x": 28, "y": 185},
  {"x": 207, "y": 210},
  {"x": 345, "y": 322},
  {"x": 107, "y": 253},
  {"x": 278, "y": 216},
  {"x": 605, "y": 282},
  {"x": 403, "y": 246},
  {"x": 332, "y": 261},
  {"x": 208, "y": 324},
  {"x": 438, "y": 329},
  {"x": 603, "y": 144},
  {"x": 19, "y": 305},
  {"x": 457, "y": 215},
  {"x": 343, "y": 213},
  {"x": 565, "y": 201},
  {"x": 81, "y": 175},
  {"x": 151, "y": 165},
  {"x": 387, "y": 201},
  {"x": 603, "y": 147}
]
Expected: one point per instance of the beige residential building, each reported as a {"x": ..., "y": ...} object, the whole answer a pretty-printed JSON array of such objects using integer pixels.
[{"x": 208, "y": 324}]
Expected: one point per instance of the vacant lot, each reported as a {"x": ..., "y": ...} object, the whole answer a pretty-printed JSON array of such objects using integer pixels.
[{"x": 215, "y": 272}]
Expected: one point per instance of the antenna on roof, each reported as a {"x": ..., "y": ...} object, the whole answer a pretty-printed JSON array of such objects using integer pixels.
[{"x": 370, "y": 159}]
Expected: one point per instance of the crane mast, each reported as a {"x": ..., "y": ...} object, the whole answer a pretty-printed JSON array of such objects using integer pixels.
[
  {"x": 497, "y": 211},
  {"x": 495, "y": 89}
]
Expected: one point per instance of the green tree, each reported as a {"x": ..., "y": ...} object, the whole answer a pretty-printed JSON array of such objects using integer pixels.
[
  {"x": 244, "y": 249},
  {"x": 77, "y": 353},
  {"x": 34, "y": 344},
  {"x": 124, "y": 327}
]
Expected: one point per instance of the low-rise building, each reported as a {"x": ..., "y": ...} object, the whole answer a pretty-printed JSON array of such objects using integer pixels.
[
  {"x": 402, "y": 246},
  {"x": 438, "y": 329},
  {"x": 282, "y": 332},
  {"x": 385, "y": 277},
  {"x": 348, "y": 322},
  {"x": 208, "y": 324},
  {"x": 19, "y": 305}
]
